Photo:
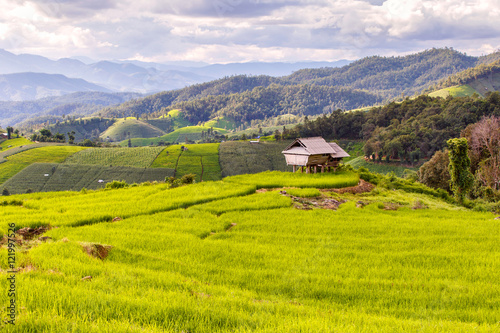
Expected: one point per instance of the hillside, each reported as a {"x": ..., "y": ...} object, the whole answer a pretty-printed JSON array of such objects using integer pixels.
[
  {"x": 79, "y": 104},
  {"x": 30, "y": 86},
  {"x": 223, "y": 257},
  {"x": 385, "y": 78},
  {"x": 130, "y": 128}
]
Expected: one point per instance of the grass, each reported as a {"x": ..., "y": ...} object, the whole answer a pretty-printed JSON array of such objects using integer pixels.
[
  {"x": 381, "y": 168},
  {"x": 12, "y": 143},
  {"x": 272, "y": 179},
  {"x": 192, "y": 133},
  {"x": 455, "y": 91},
  {"x": 43, "y": 177},
  {"x": 49, "y": 154},
  {"x": 141, "y": 157},
  {"x": 304, "y": 192},
  {"x": 218, "y": 257},
  {"x": 131, "y": 128}
]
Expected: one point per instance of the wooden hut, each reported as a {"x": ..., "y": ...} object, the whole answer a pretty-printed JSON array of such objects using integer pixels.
[{"x": 313, "y": 153}]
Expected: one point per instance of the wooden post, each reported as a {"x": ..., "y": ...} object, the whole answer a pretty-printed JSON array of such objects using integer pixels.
[
  {"x": 322, "y": 169},
  {"x": 308, "y": 170},
  {"x": 315, "y": 169},
  {"x": 302, "y": 169},
  {"x": 294, "y": 168}
]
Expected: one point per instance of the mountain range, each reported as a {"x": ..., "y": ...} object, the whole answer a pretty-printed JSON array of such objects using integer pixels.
[{"x": 119, "y": 76}]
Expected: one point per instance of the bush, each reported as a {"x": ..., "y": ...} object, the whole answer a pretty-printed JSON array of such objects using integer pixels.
[
  {"x": 116, "y": 184},
  {"x": 5, "y": 192},
  {"x": 188, "y": 178}
]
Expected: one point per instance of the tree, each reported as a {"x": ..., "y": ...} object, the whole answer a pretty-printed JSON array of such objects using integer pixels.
[
  {"x": 461, "y": 179},
  {"x": 71, "y": 137},
  {"x": 9, "y": 132},
  {"x": 434, "y": 173},
  {"x": 129, "y": 143},
  {"x": 5, "y": 192},
  {"x": 484, "y": 138}
]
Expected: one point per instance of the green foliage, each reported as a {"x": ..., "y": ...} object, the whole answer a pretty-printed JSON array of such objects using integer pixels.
[
  {"x": 434, "y": 173},
  {"x": 461, "y": 179},
  {"x": 5, "y": 192},
  {"x": 115, "y": 184}
]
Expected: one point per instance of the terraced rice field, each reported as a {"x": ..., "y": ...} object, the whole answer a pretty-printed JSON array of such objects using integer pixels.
[{"x": 219, "y": 257}]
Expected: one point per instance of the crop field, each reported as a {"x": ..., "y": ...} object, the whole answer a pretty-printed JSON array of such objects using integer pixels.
[
  {"x": 200, "y": 159},
  {"x": 141, "y": 157},
  {"x": 47, "y": 154},
  {"x": 44, "y": 177},
  {"x": 219, "y": 257},
  {"x": 272, "y": 179},
  {"x": 12, "y": 143},
  {"x": 192, "y": 133},
  {"x": 381, "y": 168},
  {"x": 238, "y": 158}
]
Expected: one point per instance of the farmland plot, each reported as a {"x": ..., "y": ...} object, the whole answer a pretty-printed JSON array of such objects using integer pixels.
[
  {"x": 236, "y": 263},
  {"x": 43, "y": 177},
  {"x": 141, "y": 157}
]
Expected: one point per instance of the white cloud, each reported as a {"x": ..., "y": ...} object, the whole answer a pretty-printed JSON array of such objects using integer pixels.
[{"x": 246, "y": 29}]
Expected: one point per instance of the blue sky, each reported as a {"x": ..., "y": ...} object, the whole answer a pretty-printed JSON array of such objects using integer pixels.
[{"x": 222, "y": 31}]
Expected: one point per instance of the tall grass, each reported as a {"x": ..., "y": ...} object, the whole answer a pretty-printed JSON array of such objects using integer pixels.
[{"x": 272, "y": 179}]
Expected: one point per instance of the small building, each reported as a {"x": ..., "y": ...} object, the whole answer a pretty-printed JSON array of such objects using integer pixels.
[{"x": 311, "y": 153}]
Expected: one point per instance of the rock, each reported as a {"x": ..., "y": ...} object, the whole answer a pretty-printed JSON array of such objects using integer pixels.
[
  {"x": 117, "y": 219},
  {"x": 44, "y": 238},
  {"x": 95, "y": 250},
  {"x": 87, "y": 278}
]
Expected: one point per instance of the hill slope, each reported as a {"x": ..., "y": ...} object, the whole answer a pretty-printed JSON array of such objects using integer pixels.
[
  {"x": 385, "y": 77},
  {"x": 30, "y": 86},
  {"x": 219, "y": 257},
  {"x": 131, "y": 128}
]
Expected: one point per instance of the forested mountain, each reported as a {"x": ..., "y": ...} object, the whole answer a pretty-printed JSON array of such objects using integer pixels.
[
  {"x": 391, "y": 76},
  {"x": 28, "y": 113},
  {"x": 386, "y": 78},
  {"x": 397, "y": 130}
]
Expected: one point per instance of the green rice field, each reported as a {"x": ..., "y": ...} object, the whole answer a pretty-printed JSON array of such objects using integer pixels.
[
  {"x": 223, "y": 257},
  {"x": 141, "y": 157},
  {"x": 49, "y": 154}
]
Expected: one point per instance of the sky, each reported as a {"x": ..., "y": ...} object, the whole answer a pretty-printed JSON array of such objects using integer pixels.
[{"x": 225, "y": 31}]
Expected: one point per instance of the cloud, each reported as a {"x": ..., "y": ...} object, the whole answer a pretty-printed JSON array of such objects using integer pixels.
[{"x": 246, "y": 29}]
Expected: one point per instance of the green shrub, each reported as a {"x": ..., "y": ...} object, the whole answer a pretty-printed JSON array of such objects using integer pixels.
[{"x": 116, "y": 184}]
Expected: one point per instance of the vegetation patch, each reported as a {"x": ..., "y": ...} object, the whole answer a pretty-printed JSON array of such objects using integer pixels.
[
  {"x": 131, "y": 128},
  {"x": 303, "y": 192},
  {"x": 43, "y": 177},
  {"x": 12, "y": 143},
  {"x": 274, "y": 179},
  {"x": 141, "y": 157},
  {"x": 238, "y": 158},
  {"x": 47, "y": 154}
]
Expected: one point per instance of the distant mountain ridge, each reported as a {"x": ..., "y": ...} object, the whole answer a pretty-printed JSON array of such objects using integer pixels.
[
  {"x": 142, "y": 77},
  {"x": 80, "y": 104},
  {"x": 31, "y": 86},
  {"x": 381, "y": 79}
]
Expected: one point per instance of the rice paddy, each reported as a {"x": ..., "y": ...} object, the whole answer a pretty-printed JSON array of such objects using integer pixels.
[{"x": 219, "y": 257}]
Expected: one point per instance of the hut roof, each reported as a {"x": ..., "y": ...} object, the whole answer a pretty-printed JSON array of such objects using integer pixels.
[{"x": 314, "y": 146}]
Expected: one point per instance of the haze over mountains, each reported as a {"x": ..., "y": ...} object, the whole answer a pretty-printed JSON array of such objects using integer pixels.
[{"x": 118, "y": 76}]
